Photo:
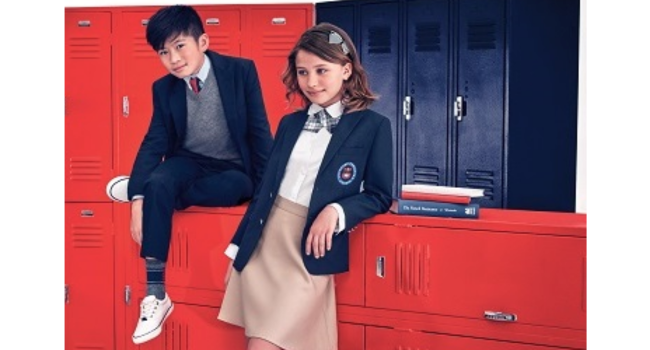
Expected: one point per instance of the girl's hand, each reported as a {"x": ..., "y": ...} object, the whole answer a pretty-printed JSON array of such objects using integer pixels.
[{"x": 320, "y": 235}]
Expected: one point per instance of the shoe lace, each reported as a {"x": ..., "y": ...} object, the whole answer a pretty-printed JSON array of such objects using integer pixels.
[{"x": 148, "y": 308}]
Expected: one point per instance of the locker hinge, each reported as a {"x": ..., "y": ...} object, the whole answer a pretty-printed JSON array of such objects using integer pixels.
[
  {"x": 125, "y": 106},
  {"x": 407, "y": 107},
  {"x": 67, "y": 295},
  {"x": 127, "y": 295},
  {"x": 459, "y": 108}
]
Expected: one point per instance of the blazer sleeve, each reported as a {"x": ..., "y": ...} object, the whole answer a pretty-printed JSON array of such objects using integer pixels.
[
  {"x": 259, "y": 136},
  {"x": 377, "y": 183},
  {"x": 152, "y": 149}
]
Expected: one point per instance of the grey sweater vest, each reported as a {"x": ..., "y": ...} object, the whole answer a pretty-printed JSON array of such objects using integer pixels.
[{"x": 207, "y": 128}]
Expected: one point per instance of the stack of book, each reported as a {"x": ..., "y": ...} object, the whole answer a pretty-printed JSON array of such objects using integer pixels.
[{"x": 441, "y": 201}]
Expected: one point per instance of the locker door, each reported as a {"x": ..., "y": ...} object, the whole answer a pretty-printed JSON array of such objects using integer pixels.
[
  {"x": 340, "y": 15},
  {"x": 89, "y": 276},
  {"x": 427, "y": 55},
  {"x": 274, "y": 32},
  {"x": 139, "y": 67},
  {"x": 88, "y": 132},
  {"x": 351, "y": 336},
  {"x": 468, "y": 273},
  {"x": 349, "y": 285},
  {"x": 380, "y": 53},
  {"x": 224, "y": 29},
  {"x": 400, "y": 339},
  {"x": 194, "y": 327},
  {"x": 481, "y": 76}
]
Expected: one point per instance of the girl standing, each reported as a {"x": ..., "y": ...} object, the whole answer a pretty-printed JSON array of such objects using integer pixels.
[{"x": 330, "y": 168}]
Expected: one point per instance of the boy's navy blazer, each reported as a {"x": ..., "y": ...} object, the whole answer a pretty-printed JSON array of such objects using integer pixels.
[
  {"x": 243, "y": 106},
  {"x": 362, "y": 142}
]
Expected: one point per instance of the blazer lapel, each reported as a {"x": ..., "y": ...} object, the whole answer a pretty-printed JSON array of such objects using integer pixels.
[
  {"x": 178, "y": 105},
  {"x": 341, "y": 133},
  {"x": 292, "y": 134}
]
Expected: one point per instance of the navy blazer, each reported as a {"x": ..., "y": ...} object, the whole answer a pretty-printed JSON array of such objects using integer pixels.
[
  {"x": 243, "y": 106},
  {"x": 359, "y": 154}
]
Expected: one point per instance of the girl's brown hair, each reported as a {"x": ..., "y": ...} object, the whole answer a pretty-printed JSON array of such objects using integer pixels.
[{"x": 324, "y": 41}]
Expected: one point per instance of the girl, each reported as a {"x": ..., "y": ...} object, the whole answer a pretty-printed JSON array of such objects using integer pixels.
[{"x": 330, "y": 168}]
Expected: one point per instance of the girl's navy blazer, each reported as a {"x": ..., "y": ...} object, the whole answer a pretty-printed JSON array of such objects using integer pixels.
[{"x": 356, "y": 173}]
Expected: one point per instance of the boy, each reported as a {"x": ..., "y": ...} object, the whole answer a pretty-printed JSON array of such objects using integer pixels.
[{"x": 207, "y": 145}]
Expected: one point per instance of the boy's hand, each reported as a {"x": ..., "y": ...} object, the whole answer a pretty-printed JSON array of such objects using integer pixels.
[
  {"x": 136, "y": 220},
  {"x": 320, "y": 235}
]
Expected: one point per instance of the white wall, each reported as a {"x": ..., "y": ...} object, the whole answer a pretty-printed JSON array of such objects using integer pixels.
[{"x": 581, "y": 180}]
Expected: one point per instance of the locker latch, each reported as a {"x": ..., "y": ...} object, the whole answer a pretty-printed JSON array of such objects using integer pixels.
[
  {"x": 127, "y": 295},
  {"x": 499, "y": 316},
  {"x": 67, "y": 295},
  {"x": 380, "y": 266},
  {"x": 459, "y": 108},
  {"x": 125, "y": 106},
  {"x": 407, "y": 108}
]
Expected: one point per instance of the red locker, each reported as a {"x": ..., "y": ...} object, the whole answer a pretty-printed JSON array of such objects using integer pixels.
[
  {"x": 402, "y": 339},
  {"x": 193, "y": 327},
  {"x": 138, "y": 66},
  {"x": 351, "y": 336},
  {"x": 88, "y": 134},
  {"x": 350, "y": 285},
  {"x": 89, "y": 297},
  {"x": 537, "y": 279},
  {"x": 275, "y": 30},
  {"x": 223, "y": 26}
]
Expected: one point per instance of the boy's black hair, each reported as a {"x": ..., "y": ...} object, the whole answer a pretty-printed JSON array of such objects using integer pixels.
[{"x": 172, "y": 21}]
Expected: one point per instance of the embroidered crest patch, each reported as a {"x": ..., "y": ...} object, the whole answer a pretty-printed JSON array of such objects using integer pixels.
[{"x": 346, "y": 174}]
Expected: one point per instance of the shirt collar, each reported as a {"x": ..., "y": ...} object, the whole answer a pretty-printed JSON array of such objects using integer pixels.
[
  {"x": 203, "y": 72},
  {"x": 335, "y": 109}
]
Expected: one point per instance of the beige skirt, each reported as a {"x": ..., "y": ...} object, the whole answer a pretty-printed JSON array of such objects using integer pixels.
[{"x": 274, "y": 297}]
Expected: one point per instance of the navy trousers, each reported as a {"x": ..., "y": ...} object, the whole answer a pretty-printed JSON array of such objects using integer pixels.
[{"x": 180, "y": 182}]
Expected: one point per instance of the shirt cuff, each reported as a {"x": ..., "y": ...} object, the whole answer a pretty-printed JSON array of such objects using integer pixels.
[
  {"x": 137, "y": 196},
  {"x": 341, "y": 224},
  {"x": 232, "y": 251}
]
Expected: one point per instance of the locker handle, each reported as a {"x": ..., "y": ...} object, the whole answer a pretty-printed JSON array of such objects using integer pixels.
[
  {"x": 125, "y": 106},
  {"x": 407, "y": 108},
  {"x": 67, "y": 296},
  {"x": 277, "y": 21},
  {"x": 459, "y": 108},
  {"x": 381, "y": 262},
  {"x": 499, "y": 316},
  {"x": 83, "y": 23},
  {"x": 87, "y": 213},
  {"x": 212, "y": 21},
  {"x": 144, "y": 22}
]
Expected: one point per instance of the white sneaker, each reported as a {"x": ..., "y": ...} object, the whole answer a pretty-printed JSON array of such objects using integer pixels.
[
  {"x": 153, "y": 313},
  {"x": 118, "y": 189}
]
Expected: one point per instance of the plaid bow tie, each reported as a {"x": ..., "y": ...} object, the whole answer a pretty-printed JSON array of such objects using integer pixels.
[{"x": 319, "y": 120}]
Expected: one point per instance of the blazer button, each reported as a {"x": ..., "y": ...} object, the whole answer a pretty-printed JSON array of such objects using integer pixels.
[
  {"x": 261, "y": 221},
  {"x": 270, "y": 194}
]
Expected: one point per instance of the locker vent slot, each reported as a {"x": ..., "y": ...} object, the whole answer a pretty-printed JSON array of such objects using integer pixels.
[
  {"x": 179, "y": 250},
  {"x": 481, "y": 35},
  {"x": 220, "y": 41},
  {"x": 85, "y": 169},
  {"x": 379, "y": 41},
  {"x": 141, "y": 48},
  {"x": 427, "y": 37},
  {"x": 426, "y": 175},
  {"x": 87, "y": 236},
  {"x": 481, "y": 179},
  {"x": 176, "y": 335},
  {"x": 278, "y": 44},
  {"x": 84, "y": 48},
  {"x": 412, "y": 269}
]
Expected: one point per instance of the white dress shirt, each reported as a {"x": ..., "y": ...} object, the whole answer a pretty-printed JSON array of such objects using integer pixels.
[{"x": 305, "y": 160}]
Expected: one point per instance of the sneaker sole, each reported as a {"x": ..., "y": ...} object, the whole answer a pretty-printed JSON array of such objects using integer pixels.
[
  {"x": 156, "y": 332},
  {"x": 111, "y": 185}
]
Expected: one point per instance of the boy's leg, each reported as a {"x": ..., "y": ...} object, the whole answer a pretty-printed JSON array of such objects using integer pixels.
[
  {"x": 160, "y": 193},
  {"x": 224, "y": 189}
]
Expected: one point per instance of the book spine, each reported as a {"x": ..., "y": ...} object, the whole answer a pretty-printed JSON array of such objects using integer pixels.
[
  {"x": 439, "y": 209},
  {"x": 419, "y": 196}
]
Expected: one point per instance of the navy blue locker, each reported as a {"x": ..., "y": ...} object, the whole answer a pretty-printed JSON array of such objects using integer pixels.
[
  {"x": 380, "y": 56},
  {"x": 480, "y": 128},
  {"x": 481, "y": 93},
  {"x": 426, "y": 122}
]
